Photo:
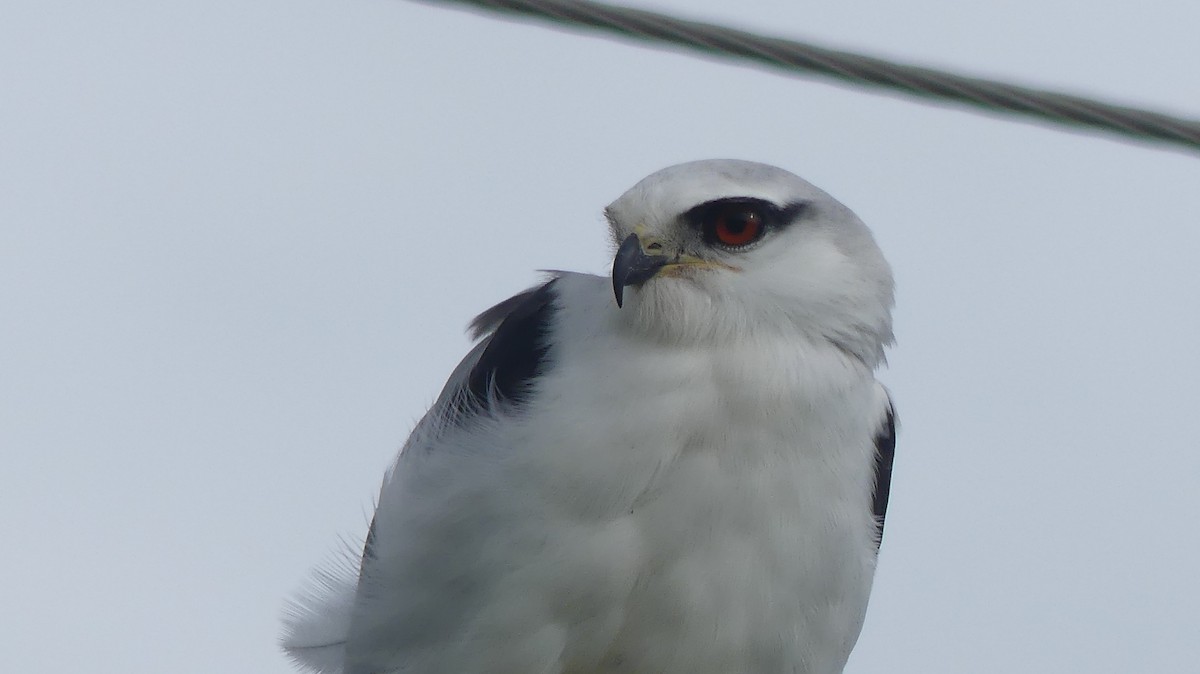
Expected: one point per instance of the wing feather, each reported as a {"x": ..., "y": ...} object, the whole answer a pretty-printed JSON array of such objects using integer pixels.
[
  {"x": 885, "y": 452},
  {"x": 501, "y": 368}
]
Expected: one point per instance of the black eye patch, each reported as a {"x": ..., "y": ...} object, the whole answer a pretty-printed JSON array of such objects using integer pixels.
[{"x": 737, "y": 222}]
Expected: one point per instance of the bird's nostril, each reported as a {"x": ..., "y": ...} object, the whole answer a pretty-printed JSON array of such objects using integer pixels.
[{"x": 656, "y": 246}]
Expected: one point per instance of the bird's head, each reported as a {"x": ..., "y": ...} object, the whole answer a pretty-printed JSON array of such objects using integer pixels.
[{"x": 721, "y": 249}]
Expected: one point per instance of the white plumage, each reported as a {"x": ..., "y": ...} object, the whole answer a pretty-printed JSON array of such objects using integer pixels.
[{"x": 691, "y": 484}]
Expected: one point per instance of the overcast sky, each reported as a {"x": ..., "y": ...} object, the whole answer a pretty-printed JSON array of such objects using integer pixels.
[{"x": 239, "y": 243}]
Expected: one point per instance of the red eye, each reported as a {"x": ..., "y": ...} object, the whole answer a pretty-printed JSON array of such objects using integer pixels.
[{"x": 736, "y": 225}]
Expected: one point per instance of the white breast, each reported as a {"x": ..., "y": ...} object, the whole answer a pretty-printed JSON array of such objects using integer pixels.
[
  {"x": 721, "y": 496},
  {"x": 652, "y": 509}
]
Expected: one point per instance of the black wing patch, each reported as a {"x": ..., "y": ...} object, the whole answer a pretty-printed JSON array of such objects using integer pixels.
[
  {"x": 516, "y": 353},
  {"x": 485, "y": 323},
  {"x": 885, "y": 451}
]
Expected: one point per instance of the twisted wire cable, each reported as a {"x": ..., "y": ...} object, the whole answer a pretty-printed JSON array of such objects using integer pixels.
[{"x": 989, "y": 95}]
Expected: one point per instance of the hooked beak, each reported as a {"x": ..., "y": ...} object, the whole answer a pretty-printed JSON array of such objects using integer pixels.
[{"x": 633, "y": 266}]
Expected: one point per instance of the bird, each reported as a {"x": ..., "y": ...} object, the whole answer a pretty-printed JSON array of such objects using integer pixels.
[{"x": 680, "y": 468}]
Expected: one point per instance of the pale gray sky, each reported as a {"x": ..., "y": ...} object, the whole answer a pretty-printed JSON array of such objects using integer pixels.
[{"x": 239, "y": 242}]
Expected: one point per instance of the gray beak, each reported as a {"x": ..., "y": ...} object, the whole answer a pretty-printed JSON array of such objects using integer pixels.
[{"x": 633, "y": 267}]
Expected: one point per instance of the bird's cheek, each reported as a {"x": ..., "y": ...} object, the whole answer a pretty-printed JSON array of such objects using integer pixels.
[{"x": 695, "y": 267}]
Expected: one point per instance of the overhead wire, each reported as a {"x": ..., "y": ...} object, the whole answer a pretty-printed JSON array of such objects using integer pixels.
[{"x": 858, "y": 69}]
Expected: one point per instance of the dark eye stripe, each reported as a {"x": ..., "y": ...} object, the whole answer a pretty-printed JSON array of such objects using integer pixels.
[
  {"x": 708, "y": 217},
  {"x": 773, "y": 214}
]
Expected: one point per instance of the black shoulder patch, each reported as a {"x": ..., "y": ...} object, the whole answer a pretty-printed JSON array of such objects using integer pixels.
[
  {"x": 489, "y": 320},
  {"x": 885, "y": 452},
  {"x": 516, "y": 352}
]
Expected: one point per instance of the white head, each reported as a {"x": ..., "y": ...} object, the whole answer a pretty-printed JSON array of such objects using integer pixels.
[{"x": 717, "y": 250}]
